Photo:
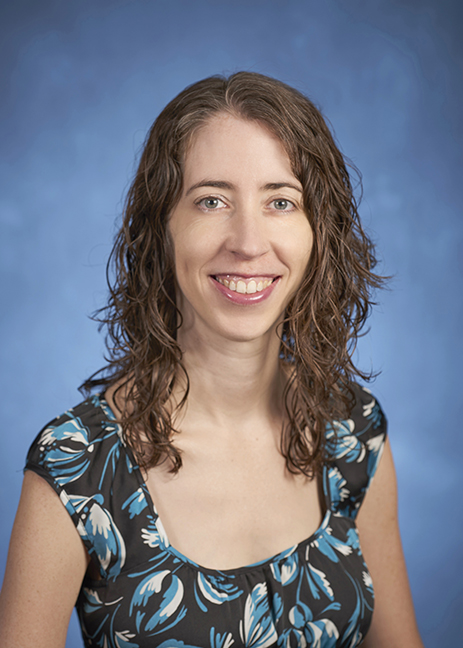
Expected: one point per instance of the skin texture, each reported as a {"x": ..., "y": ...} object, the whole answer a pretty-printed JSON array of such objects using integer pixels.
[
  {"x": 394, "y": 623},
  {"x": 46, "y": 565},
  {"x": 238, "y": 223}
]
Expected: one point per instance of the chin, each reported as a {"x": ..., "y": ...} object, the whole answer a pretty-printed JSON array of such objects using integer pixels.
[{"x": 246, "y": 332}]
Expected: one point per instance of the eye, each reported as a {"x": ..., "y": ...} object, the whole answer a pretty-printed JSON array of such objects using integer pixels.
[
  {"x": 281, "y": 204},
  {"x": 210, "y": 203}
]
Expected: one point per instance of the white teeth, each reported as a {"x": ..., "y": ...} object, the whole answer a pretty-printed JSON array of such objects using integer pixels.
[{"x": 245, "y": 288}]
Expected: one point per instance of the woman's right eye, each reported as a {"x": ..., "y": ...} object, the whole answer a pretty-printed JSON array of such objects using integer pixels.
[{"x": 210, "y": 203}]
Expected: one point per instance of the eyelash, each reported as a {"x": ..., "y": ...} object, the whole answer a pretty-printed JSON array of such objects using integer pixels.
[
  {"x": 200, "y": 203},
  {"x": 286, "y": 200}
]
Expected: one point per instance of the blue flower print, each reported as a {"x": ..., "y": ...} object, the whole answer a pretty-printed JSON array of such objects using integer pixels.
[
  {"x": 353, "y": 539},
  {"x": 167, "y": 610},
  {"x": 217, "y": 589},
  {"x": 154, "y": 535},
  {"x": 106, "y": 539},
  {"x": 327, "y": 544},
  {"x": 317, "y": 580},
  {"x": 376, "y": 446},
  {"x": 122, "y": 639},
  {"x": 299, "y": 615},
  {"x": 277, "y": 607},
  {"x": 352, "y": 632},
  {"x": 368, "y": 581},
  {"x": 136, "y": 503},
  {"x": 343, "y": 443},
  {"x": 339, "y": 493},
  {"x": 291, "y": 638},
  {"x": 92, "y": 600},
  {"x": 66, "y": 451},
  {"x": 372, "y": 411},
  {"x": 321, "y": 634},
  {"x": 286, "y": 571},
  {"x": 173, "y": 643},
  {"x": 218, "y": 640},
  {"x": 97, "y": 527},
  {"x": 257, "y": 628}
]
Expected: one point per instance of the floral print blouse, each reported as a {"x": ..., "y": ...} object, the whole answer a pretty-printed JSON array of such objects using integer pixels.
[{"x": 316, "y": 594}]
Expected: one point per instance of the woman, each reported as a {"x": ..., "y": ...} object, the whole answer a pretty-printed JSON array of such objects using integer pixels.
[{"x": 228, "y": 408}]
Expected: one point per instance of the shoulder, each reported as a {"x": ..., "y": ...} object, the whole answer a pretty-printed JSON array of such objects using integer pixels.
[
  {"x": 66, "y": 447},
  {"x": 354, "y": 447},
  {"x": 83, "y": 456},
  {"x": 362, "y": 433}
]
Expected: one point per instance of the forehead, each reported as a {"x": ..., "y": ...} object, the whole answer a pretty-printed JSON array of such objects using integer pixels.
[{"x": 227, "y": 144}]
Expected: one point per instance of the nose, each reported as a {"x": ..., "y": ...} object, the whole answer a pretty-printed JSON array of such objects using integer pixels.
[{"x": 248, "y": 233}]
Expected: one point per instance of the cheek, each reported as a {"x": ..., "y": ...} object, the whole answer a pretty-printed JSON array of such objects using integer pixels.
[
  {"x": 310, "y": 244},
  {"x": 300, "y": 245},
  {"x": 179, "y": 255},
  {"x": 193, "y": 251}
]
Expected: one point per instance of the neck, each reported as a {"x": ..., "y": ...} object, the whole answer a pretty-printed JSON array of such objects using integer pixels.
[{"x": 233, "y": 381}]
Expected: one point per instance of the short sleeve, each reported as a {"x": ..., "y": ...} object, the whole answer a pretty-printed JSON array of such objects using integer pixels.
[
  {"x": 78, "y": 454},
  {"x": 355, "y": 446}
]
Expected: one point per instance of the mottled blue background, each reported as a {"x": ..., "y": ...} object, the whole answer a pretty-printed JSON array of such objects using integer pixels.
[{"x": 80, "y": 84}]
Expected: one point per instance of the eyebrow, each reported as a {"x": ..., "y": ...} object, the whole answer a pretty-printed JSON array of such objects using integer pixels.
[{"x": 221, "y": 184}]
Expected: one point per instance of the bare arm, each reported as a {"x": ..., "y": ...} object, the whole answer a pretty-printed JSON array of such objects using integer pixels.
[
  {"x": 46, "y": 565},
  {"x": 394, "y": 623}
]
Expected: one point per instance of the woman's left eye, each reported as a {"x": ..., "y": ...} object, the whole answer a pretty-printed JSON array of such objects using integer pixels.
[{"x": 281, "y": 204}]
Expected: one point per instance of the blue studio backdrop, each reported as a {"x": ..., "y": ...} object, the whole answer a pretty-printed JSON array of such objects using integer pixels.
[{"x": 81, "y": 83}]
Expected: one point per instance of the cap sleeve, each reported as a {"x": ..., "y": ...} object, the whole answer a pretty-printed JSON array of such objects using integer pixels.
[
  {"x": 77, "y": 454},
  {"x": 355, "y": 446}
]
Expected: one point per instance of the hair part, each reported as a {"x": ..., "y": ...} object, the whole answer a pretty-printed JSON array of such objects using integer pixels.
[{"x": 321, "y": 323}]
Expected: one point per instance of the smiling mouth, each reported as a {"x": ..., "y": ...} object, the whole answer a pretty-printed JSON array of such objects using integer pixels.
[{"x": 243, "y": 285}]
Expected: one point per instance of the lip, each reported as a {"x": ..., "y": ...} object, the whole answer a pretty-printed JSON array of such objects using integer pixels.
[
  {"x": 241, "y": 275},
  {"x": 243, "y": 299}
]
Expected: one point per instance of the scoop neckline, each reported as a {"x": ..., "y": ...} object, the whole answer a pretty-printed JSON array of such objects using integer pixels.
[{"x": 266, "y": 562}]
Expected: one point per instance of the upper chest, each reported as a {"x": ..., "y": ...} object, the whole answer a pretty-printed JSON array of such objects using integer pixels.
[{"x": 230, "y": 506}]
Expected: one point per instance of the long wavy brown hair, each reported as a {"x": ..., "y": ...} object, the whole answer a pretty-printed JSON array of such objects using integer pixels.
[{"x": 321, "y": 323}]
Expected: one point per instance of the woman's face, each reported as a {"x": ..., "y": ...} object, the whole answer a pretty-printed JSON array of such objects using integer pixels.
[{"x": 241, "y": 238}]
